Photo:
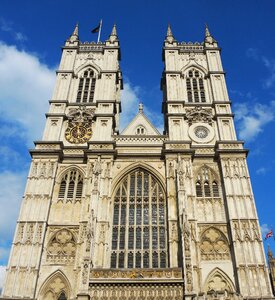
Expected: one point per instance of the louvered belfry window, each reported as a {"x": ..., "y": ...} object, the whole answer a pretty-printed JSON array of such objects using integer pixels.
[
  {"x": 139, "y": 236},
  {"x": 195, "y": 86},
  {"x": 86, "y": 87},
  {"x": 71, "y": 185}
]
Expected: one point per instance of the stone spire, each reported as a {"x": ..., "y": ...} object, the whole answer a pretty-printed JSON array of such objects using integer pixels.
[
  {"x": 169, "y": 36},
  {"x": 74, "y": 37},
  {"x": 113, "y": 36},
  {"x": 208, "y": 37}
]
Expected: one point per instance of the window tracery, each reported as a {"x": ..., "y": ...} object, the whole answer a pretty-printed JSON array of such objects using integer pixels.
[
  {"x": 214, "y": 245},
  {"x": 62, "y": 246},
  {"x": 195, "y": 86},
  {"x": 207, "y": 184},
  {"x": 71, "y": 185},
  {"x": 86, "y": 87},
  {"x": 139, "y": 223}
]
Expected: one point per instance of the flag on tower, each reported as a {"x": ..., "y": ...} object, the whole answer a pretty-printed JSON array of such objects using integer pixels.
[
  {"x": 96, "y": 29},
  {"x": 268, "y": 235}
]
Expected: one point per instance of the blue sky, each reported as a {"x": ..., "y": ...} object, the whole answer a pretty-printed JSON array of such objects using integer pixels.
[{"x": 31, "y": 33}]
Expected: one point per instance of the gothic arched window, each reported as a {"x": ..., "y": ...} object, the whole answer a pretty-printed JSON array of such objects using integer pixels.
[
  {"x": 195, "y": 86},
  {"x": 86, "y": 87},
  {"x": 207, "y": 185},
  {"x": 71, "y": 185},
  {"x": 62, "y": 296},
  {"x": 139, "y": 234}
]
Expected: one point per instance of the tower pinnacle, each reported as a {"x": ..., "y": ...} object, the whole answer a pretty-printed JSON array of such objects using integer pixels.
[
  {"x": 208, "y": 37},
  {"x": 169, "y": 36},
  {"x": 113, "y": 36},
  {"x": 74, "y": 37}
]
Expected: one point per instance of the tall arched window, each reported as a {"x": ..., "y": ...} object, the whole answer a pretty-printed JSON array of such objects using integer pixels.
[
  {"x": 195, "y": 86},
  {"x": 206, "y": 184},
  {"x": 86, "y": 87},
  {"x": 139, "y": 234},
  {"x": 71, "y": 185}
]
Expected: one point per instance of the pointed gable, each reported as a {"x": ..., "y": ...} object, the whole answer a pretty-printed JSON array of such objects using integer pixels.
[{"x": 140, "y": 125}]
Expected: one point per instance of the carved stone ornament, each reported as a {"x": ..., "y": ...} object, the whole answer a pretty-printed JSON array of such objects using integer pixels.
[
  {"x": 79, "y": 128},
  {"x": 199, "y": 114}
]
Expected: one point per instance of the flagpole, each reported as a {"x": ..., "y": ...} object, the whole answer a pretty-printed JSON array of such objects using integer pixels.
[{"x": 99, "y": 32}]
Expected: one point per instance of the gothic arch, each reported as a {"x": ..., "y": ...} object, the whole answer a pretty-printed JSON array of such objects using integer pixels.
[
  {"x": 212, "y": 171},
  {"x": 214, "y": 245},
  {"x": 54, "y": 286},
  {"x": 194, "y": 65},
  {"x": 131, "y": 168},
  {"x": 139, "y": 198},
  {"x": 218, "y": 281},
  {"x": 93, "y": 66},
  {"x": 62, "y": 173}
]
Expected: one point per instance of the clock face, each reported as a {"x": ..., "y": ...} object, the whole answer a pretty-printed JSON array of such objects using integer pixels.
[
  {"x": 78, "y": 133},
  {"x": 201, "y": 132}
]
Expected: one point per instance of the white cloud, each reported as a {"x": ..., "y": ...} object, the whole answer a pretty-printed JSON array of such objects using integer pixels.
[
  {"x": 130, "y": 99},
  {"x": 129, "y": 103},
  {"x": 2, "y": 276},
  {"x": 7, "y": 26},
  {"x": 261, "y": 171},
  {"x": 26, "y": 84},
  {"x": 252, "y": 118},
  {"x": 269, "y": 63}
]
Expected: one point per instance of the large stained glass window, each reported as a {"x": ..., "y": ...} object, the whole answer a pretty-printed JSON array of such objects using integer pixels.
[{"x": 139, "y": 236}]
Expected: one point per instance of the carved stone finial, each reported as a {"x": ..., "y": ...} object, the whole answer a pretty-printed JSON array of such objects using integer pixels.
[
  {"x": 140, "y": 108},
  {"x": 74, "y": 36},
  {"x": 208, "y": 37},
  {"x": 113, "y": 36},
  {"x": 169, "y": 36}
]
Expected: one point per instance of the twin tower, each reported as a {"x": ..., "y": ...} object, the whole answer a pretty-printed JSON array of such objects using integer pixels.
[{"x": 138, "y": 214}]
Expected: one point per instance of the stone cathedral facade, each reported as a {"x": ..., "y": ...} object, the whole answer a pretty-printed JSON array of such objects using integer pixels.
[{"x": 138, "y": 214}]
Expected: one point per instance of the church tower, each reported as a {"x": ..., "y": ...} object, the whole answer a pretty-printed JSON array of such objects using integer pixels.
[{"x": 138, "y": 214}]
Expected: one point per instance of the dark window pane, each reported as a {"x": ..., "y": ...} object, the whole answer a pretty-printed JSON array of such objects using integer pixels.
[
  {"x": 155, "y": 259},
  {"x": 162, "y": 238},
  {"x": 161, "y": 214},
  {"x": 116, "y": 214},
  {"x": 70, "y": 193},
  {"x": 79, "y": 189},
  {"x": 146, "y": 185},
  {"x": 113, "y": 260},
  {"x": 198, "y": 189},
  {"x": 138, "y": 260},
  {"x": 114, "y": 238},
  {"x": 122, "y": 238},
  {"x": 207, "y": 189},
  {"x": 62, "y": 189},
  {"x": 146, "y": 214},
  {"x": 121, "y": 260},
  {"x": 138, "y": 219},
  {"x": 146, "y": 238},
  {"x": 138, "y": 238},
  {"x": 130, "y": 260},
  {"x": 155, "y": 237},
  {"x": 146, "y": 260},
  {"x": 123, "y": 215},
  {"x": 163, "y": 259},
  {"x": 215, "y": 188},
  {"x": 131, "y": 238},
  {"x": 62, "y": 296},
  {"x": 132, "y": 185},
  {"x": 131, "y": 214},
  {"x": 154, "y": 214}
]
